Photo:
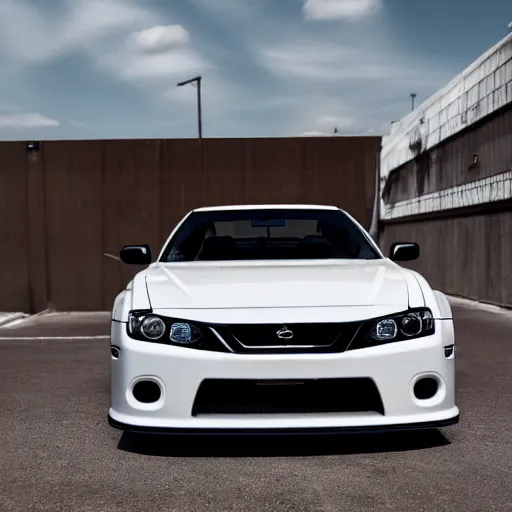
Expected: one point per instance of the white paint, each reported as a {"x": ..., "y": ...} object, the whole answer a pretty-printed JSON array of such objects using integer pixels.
[
  {"x": 275, "y": 284},
  {"x": 281, "y": 315},
  {"x": 444, "y": 304},
  {"x": 482, "y": 88},
  {"x": 494, "y": 188},
  {"x": 284, "y": 290},
  {"x": 286, "y": 286},
  {"x": 243, "y": 207},
  {"x": 393, "y": 368},
  {"x": 271, "y": 292}
]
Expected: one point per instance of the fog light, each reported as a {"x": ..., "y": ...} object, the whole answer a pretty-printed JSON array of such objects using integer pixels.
[
  {"x": 115, "y": 352},
  {"x": 426, "y": 388},
  {"x": 147, "y": 392}
]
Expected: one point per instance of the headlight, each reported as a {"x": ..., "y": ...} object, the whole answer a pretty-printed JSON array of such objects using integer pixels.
[
  {"x": 146, "y": 326},
  {"x": 384, "y": 330},
  {"x": 413, "y": 324},
  {"x": 184, "y": 333},
  {"x": 152, "y": 327}
]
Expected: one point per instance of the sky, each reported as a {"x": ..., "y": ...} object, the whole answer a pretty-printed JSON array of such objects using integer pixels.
[{"x": 80, "y": 69}]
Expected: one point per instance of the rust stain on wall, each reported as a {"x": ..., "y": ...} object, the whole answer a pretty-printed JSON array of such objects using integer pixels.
[{"x": 482, "y": 151}]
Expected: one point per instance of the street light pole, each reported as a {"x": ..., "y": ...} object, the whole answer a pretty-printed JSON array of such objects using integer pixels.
[
  {"x": 413, "y": 97},
  {"x": 199, "y": 109},
  {"x": 196, "y": 80}
]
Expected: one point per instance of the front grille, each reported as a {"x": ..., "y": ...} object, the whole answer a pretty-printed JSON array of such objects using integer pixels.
[
  {"x": 311, "y": 396},
  {"x": 295, "y": 338}
]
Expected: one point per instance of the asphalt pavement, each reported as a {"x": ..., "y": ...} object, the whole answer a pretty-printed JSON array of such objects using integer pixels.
[{"x": 57, "y": 452}]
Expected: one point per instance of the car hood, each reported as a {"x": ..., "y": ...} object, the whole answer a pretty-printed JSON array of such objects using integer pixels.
[{"x": 231, "y": 285}]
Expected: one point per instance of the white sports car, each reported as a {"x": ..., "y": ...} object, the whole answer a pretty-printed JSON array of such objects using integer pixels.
[{"x": 279, "y": 319}]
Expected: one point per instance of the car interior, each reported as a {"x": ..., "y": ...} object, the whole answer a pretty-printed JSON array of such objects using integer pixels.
[
  {"x": 276, "y": 239},
  {"x": 228, "y": 248},
  {"x": 269, "y": 235}
]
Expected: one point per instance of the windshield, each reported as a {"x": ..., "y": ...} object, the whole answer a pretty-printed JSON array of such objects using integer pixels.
[{"x": 226, "y": 235}]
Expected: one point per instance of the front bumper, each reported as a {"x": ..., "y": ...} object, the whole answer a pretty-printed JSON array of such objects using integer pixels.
[
  {"x": 282, "y": 431},
  {"x": 394, "y": 369}
]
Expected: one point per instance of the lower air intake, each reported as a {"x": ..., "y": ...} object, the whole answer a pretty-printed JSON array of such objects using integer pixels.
[{"x": 314, "y": 396}]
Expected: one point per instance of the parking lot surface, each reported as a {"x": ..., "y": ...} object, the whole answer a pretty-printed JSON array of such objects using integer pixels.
[{"x": 59, "y": 454}]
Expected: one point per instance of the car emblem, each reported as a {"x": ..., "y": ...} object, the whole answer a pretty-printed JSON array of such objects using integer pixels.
[{"x": 284, "y": 333}]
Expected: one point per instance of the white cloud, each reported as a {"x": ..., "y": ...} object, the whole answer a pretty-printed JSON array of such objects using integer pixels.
[
  {"x": 128, "y": 42},
  {"x": 28, "y": 35},
  {"x": 319, "y": 114},
  {"x": 324, "y": 113},
  {"x": 351, "y": 88},
  {"x": 159, "y": 39},
  {"x": 340, "y": 122},
  {"x": 330, "y": 62},
  {"x": 322, "y": 10},
  {"x": 28, "y": 120},
  {"x": 321, "y": 84},
  {"x": 153, "y": 69},
  {"x": 114, "y": 34},
  {"x": 90, "y": 20},
  {"x": 323, "y": 61}
]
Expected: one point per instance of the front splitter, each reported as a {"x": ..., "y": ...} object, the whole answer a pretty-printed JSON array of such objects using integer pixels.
[{"x": 284, "y": 431}]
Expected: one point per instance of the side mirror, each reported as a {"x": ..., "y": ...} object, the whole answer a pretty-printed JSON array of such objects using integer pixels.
[
  {"x": 136, "y": 254},
  {"x": 404, "y": 251}
]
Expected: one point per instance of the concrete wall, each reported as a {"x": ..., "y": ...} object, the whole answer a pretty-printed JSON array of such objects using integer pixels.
[
  {"x": 446, "y": 177},
  {"x": 481, "y": 89},
  {"x": 468, "y": 255},
  {"x": 65, "y": 206},
  {"x": 446, "y": 181}
]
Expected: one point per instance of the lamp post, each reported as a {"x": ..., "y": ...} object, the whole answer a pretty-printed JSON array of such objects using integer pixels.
[
  {"x": 196, "y": 80},
  {"x": 413, "y": 97}
]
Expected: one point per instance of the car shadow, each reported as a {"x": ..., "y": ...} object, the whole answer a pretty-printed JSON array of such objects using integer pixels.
[{"x": 279, "y": 446}]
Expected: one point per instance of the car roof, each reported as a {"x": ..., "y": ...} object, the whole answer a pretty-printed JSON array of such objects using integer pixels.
[{"x": 266, "y": 207}]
